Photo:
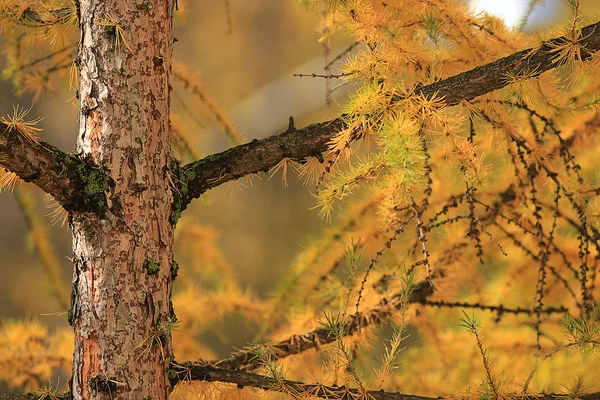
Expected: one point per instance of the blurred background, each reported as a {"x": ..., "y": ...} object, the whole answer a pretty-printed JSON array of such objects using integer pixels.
[{"x": 245, "y": 52}]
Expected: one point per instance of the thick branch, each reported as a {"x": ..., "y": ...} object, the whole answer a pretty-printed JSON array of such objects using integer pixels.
[
  {"x": 261, "y": 155},
  {"x": 302, "y": 342},
  {"x": 258, "y": 155},
  {"x": 195, "y": 372},
  {"x": 40, "y": 17},
  {"x": 76, "y": 185}
]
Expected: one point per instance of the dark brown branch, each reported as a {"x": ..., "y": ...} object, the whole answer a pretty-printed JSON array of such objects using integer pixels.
[
  {"x": 256, "y": 156},
  {"x": 500, "y": 309},
  {"x": 195, "y": 372},
  {"x": 32, "y": 17},
  {"x": 296, "y": 344},
  {"x": 76, "y": 185},
  {"x": 261, "y": 155}
]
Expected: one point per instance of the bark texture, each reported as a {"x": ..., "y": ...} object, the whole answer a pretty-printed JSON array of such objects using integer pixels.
[
  {"x": 76, "y": 185},
  {"x": 120, "y": 308}
]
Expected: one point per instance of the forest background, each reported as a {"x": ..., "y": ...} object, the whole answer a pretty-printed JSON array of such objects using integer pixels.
[{"x": 254, "y": 230}]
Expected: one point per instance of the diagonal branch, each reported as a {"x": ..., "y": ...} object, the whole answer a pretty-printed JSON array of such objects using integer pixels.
[
  {"x": 261, "y": 155},
  {"x": 76, "y": 185},
  {"x": 258, "y": 155},
  {"x": 195, "y": 372},
  {"x": 296, "y": 344}
]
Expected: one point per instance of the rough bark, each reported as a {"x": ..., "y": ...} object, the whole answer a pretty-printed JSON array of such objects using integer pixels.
[
  {"x": 261, "y": 155},
  {"x": 120, "y": 307},
  {"x": 76, "y": 185}
]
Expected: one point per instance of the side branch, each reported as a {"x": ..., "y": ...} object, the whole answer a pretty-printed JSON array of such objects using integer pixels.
[
  {"x": 312, "y": 340},
  {"x": 258, "y": 155},
  {"x": 195, "y": 372},
  {"x": 261, "y": 155},
  {"x": 76, "y": 185}
]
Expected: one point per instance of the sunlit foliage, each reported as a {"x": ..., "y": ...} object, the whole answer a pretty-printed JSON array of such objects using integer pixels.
[{"x": 491, "y": 204}]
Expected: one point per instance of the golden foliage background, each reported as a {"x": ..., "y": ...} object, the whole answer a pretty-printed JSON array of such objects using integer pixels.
[{"x": 243, "y": 278}]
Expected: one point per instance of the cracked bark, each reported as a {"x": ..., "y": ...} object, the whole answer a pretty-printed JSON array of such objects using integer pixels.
[
  {"x": 69, "y": 180},
  {"x": 119, "y": 306}
]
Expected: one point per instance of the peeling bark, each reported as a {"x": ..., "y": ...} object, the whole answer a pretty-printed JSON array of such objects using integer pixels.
[{"x": 120, "y": 309}]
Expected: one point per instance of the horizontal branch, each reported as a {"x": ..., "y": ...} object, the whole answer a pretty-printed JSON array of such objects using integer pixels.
[
  {"x": 246, "y": 359},
  {"x": 76, "y": 185},
  {"x": 499, "y": 310},
  {"x": 187, "y": 372},
  {"x": 261, "y": 155},
  {"x": 41, "y": 17},
  {"x": 195, "y": 372},
  {"x": 255, "y": 156}
]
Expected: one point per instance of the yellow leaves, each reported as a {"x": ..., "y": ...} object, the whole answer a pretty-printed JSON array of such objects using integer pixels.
[
  {"x": 569, "y": 49},
  {"x": 366, "y": 103},
  {"x": 202, "y": 390},
  {"x": 431, "y": 110},
  {"x": 312, "y": 170},
  {"x": 31, "y": 355},
  {"x": 340, "y": 143},
  {"x": 28, "y": 130},
  {"x": 284, "y": 166},
  {"x": 592, "y": 212},
  {"x": 47, "y": 392},
  {"x": 8, "y": 180},
  {"x": 344, "y": 183},
  {"x": 112, "y": 27},
  {"x": 403, "y": 151},
  {"x": 57, "y": 213},
  {"x": 16, "y": 122},
  {"x": 524, "y": 86},
  {"x": 470, "y": 164}
]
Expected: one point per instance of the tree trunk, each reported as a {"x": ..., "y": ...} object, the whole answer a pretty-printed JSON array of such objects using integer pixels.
[{"x": 121, "y": 309}]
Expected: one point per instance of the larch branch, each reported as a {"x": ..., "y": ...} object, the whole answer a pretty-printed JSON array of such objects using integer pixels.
[
  {"x": 76, "y": 185},
  {"x": 194, "y": 372},
  {"x": 261, "y": 155},
  {"x": 299, "y": 343},
  {"x": 197, "y": 372}
]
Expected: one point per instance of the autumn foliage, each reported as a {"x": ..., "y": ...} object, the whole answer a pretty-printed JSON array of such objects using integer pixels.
[{"x": 462, "y": 248}]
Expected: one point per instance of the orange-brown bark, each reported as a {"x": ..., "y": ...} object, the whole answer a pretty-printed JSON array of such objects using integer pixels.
[{"x": 122, "y": 279}]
